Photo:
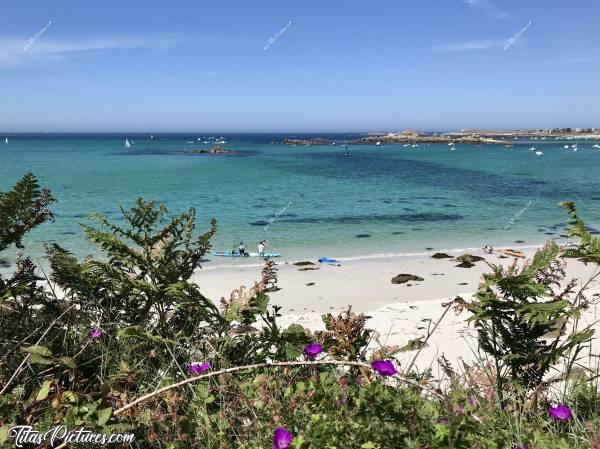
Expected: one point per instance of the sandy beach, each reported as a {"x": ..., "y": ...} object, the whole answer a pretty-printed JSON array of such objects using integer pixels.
[{"x": 399, "y": 312}]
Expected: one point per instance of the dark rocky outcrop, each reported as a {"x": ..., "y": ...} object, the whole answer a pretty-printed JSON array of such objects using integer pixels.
[
  {"x": 465, "y": 264},
  {"x": 469, "y": 258},
  {"x": 403, "y": 278},
  {"x": 441, "y": 256}
]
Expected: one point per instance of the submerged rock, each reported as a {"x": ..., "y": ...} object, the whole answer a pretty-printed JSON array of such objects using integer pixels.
[
  {"x": 215, "y": 150},
  {"x": 363, "y": 236},
  {"x": 402, "y": 278}
]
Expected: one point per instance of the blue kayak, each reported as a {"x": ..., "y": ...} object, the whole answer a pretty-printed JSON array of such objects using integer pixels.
[
  {"x": 230, "y": 254},
  {"x": 328, "y": 261}
]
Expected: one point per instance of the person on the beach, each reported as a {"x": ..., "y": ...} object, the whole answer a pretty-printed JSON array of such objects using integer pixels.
[
  {"x": 242, "y": 250},
  {"x": 487, "y": 249},
  {"x": 261, "y": 249}
]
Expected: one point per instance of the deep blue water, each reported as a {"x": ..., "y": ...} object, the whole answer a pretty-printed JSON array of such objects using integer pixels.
[{"x": 313, "y": 201}]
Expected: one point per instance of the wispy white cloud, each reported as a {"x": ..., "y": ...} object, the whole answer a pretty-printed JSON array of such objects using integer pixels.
[
  {"x": 470, "y": 45},
  {"x": 488, "y": 7},
  {"x": 583, "y": 60},
  {"x": 15, "y": 52}
]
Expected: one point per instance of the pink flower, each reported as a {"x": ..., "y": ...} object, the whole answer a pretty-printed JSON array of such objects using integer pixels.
[
  {"x": 560, "y": 413},
  {"x": 384, "y": 367},
  {"x": 312, "y": 350},
  {"x": 198, "y": 368},
  {"x": 96, "y": 332},
  {"x": 282, "y": 438}
]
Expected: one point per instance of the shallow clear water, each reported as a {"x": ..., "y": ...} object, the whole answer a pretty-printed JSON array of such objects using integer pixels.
[{"x": 314, "y": 200}]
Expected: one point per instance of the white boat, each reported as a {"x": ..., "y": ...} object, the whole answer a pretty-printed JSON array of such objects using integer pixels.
[
  {"x": 596, "y": 146},
  {"x": 220, "y": 141},
  {"x": 6, "y": 140},
  {"x": 378, "y": 144},
  {"x": 127, "y": 144},
  {"x": 539, "y": 153},
  {"x": 574, "y": 146},
  {"x": 532, "y": 149},
  {"x": 566, "y": 146}
]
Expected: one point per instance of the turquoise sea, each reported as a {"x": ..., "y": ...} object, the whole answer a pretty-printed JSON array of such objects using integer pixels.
[{"x": 313, "y": 201}]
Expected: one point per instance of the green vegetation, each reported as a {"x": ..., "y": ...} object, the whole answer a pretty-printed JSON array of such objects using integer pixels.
[{"x": 127, "y": 343}]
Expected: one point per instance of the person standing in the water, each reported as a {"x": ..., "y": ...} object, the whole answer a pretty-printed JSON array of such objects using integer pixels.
[
  {"x": 261, "y": 249},
  {"x": 242, "y": 250}
]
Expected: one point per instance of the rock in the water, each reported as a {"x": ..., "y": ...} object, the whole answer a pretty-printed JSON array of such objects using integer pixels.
[
  {"x": 441, "y": 256},
  {"x": 402, "y": 278},
  {"x": 465, "y": 264},
  {"x": 363, "y": 236},
  {"x": 469, "y": 258},
  {"x": 303, "y": 263}
]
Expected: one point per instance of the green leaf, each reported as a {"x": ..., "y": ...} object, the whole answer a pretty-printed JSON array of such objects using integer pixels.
[
  {"x": 67, "y": 361},
  {"x": 44, "y": 390},
  {"x": 3, "y": 434},
  {"x": 38, "y": 350},
  {"x": 70, "y": 396},
  {"x": 103, "y": 415},
  {"x": 35, "y": 359}
]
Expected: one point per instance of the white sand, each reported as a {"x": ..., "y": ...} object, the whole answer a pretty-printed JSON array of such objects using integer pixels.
[{"x": 398, "y": 313}]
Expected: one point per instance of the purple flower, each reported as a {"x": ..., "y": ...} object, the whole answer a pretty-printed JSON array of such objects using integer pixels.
[
  {"x": 282, "y": 438},
  {"x": 384, "y": 367},
  {"x": 458, "y": 410},
  {"x": 312, "y": 350},
  {"x": 560, "y": 413},
  {"x": 198, "y": 368},
  {"x": 96, "y": 332}
]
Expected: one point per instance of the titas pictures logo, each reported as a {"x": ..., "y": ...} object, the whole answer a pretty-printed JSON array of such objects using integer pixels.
[{"x": 23, "y": 435}]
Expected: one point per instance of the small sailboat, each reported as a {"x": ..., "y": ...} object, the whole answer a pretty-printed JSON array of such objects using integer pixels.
[
  {"x": 539, "y": 153},
  {"x": 6, "y": 140},
  {"x": 378, "y": 144},
  {"x": 127, "y": 144}
]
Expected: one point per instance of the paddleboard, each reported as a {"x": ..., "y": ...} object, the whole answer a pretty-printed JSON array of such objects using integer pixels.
[
  {"x": 328, "y": 261},
  {"x": 221, "y": 254},
  {"x": 510, "y": 252}
]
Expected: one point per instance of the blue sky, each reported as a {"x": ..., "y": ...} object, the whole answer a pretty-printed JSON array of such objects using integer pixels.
[{"x": 266, "y": 65}]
